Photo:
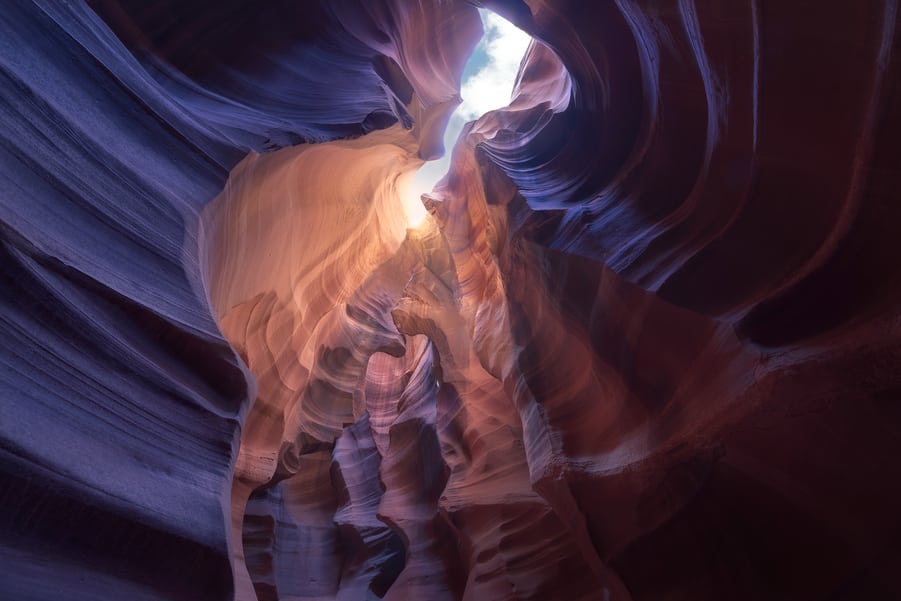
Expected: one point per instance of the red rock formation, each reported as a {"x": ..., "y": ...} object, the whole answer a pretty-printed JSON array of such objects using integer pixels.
[{"x": 645, "y": 347}]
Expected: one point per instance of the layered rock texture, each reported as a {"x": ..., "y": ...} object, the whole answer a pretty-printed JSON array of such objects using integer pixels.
[{"x": 646, "y": 346}]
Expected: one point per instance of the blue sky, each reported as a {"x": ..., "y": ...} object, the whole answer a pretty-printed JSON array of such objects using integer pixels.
[{"x": 488, "y": 79}]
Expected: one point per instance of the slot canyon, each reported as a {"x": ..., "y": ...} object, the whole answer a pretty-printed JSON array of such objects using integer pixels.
[{"x": 640, "y": 342}]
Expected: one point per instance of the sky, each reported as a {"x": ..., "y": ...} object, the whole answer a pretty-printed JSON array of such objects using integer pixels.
[{"x": 488, "y": 79}]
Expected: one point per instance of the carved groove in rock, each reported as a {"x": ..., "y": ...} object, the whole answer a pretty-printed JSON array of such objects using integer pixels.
[{"x": 645, "y": 346}]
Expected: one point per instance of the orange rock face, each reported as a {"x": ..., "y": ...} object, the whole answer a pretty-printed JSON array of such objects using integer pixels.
[{"x": 644, "y": 347}]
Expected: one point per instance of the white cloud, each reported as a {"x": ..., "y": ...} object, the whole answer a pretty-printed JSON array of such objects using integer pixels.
[{"x": 489, "y": 88}]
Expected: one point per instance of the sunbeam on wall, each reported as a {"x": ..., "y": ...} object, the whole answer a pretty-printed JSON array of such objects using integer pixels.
[{"x": 488, "y": 80}]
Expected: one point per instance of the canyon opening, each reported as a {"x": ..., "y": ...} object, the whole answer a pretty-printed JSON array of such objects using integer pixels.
[{"x": 449, "y": 300}]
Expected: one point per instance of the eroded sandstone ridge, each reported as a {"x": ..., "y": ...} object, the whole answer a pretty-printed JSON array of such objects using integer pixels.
[{"x": 646, "y": 345}]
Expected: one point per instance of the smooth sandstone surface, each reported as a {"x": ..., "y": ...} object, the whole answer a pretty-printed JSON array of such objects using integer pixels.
[{"x": 646, "y": 345}]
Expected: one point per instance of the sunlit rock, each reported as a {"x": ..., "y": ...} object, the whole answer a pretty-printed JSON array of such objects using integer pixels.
[{"x": 639, "y": 342}]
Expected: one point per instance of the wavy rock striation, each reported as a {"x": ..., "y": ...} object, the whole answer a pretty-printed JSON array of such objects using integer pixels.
[{"x": 645, "y": 346}]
